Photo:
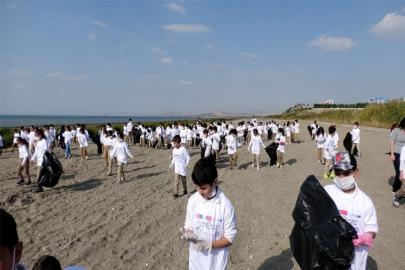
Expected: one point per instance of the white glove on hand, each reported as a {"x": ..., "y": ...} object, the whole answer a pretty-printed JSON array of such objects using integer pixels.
[
  {"x": 248, "y": 149},
  {"x": 202, "y": 245},
  {"x": 171, "y": 165},
  {"x": 131, "y": 156},
  {"x": 188, "y": 236}
]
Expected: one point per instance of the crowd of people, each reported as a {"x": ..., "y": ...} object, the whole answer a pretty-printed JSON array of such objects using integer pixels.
[{"x": 209, "y": 208}]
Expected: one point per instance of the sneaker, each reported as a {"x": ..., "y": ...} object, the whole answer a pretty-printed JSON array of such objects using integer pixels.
[
  {"x": 109, "y": 173},
  {"x": 278, "y": 165},
  {"x": 332, "y": 176},
  {"x": 21, "y": 182},
  {"x": 231, "y": 168},
  {"x": 393, "y": 195},
  {"x": 66, "y": 157},
  {"x": 325, "y": 176},
  {"x": 38, "y": 189},
  {"x": 28, "y": 183},
  {"x": 258, "y": 168},
  {"x": 319, "y": 161},
  {"x": 185, "y": 192},
  {"x": 253, "y": 165},
  {"x": 175, "y": 196},
  {"x": 281, "y": 166},
  {"x": 87, "y": 157},
  {"x": 81, "y": 159},
  {"x": 119, "y": 180},
  {"x": 395, "y": 202}
]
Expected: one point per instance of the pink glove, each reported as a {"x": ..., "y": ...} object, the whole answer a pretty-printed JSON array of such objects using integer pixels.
[{"x": 364, "y": 240}]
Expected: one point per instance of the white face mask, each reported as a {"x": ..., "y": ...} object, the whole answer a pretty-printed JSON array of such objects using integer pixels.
[
  {"x": 345, "y": 183},
  {"x": 354, "y": 126},
  {"x": 214, "y": 192}
]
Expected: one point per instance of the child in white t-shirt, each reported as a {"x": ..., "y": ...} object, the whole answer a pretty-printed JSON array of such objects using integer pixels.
[
  {"x": 329, "y": 152},
  {"x": 16, "y": 136},
  {"x": 401, "y": 192},
  {"x": 210, "y": 224},
  {"x": 215, "y": 143},
  {"x": 280, "y": 138},
  {"x": 82, "y": 138},
  {"x": 121, "y": 151},
  {"x": 255, "y": 143},
  {"x": 180, "y": 161},
  {"x": 320, "y": 138},
  {"x": 232, "y": 148}
]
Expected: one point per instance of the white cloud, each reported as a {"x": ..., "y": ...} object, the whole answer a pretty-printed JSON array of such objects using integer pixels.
[
  {"x": 167, "y": 61},
  {"x": 54, "y": 74},
  {"x": 98, "y": 23},
  {"x": 182, "y": 82},
  {"x": 76, "y": 78},
  {"x": 176, "y": 7},
  {"x": 17, "y": 85},
  {"x": 155, "y": 49},
  {"x": 20, "y": 72},
  {"x": 186, "y": 28},
  {"x": 391, "y": 26},
  {"x": 146, "y": 79},
  {"x": 185, "y": 63},
  {"x": 91, "y": 36},
  {"x": 249, "y": 55},
  {"x": 209, "y": 47},
  {"x": 332, "y": 44}
]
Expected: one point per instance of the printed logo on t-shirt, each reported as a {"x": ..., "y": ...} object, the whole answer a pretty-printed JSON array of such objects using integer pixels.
[
  {"x": 343, "y": 212},
  {"x": 199, "y": 216}
]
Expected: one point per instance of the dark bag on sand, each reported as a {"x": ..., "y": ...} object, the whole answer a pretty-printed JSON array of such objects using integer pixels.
[
  {"x": 155, "y": 143},
  {"x": 137, "y": 135},
  {"x": 321, "y": 238},
  {"x": 197, "y": 142},
  {"x": 51, "y": 170},
  {"x": 271, "y": 150},
  {"x": 347, "y": 143},
  {"x": 270, "y": 132}
]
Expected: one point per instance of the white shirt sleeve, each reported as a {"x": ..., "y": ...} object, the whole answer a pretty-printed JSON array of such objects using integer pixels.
[
  {"x": 402, "y": 160},
  {"x": 230, "y": 224},
  {"x": 370, "y": 220}
]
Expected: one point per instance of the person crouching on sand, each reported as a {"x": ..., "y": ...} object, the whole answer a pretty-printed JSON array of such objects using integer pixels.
[{"x": 121, "y": 151}]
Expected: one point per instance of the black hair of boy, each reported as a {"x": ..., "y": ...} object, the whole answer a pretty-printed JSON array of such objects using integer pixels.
[
  {"x": 332, "y": 129},
  {"x": 204, "y": 172},
  {"x": 205, "y": 131},
  {"x": 233, "y": 131},
  {"x": 176, "y": 139},
  {"x": 47, "y": 262},
  {"x": 8, "y": 232}
]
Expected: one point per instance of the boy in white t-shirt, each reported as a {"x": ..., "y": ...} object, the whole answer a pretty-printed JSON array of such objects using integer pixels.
[
  {"x": 210, "y": 224},
  {"x": 401, "y": 192},
  {"x": 329, "y": 152},
  {"x": 180, "y": 161},
  {"x": 232, "y": 150},
  {"x": 280, "y": 138},
  {"x": 215, "y": 143},
  {"x": 356, "y": 138},
  {"x": 16, "y": 136},
  {"x": 354, "y": 206},
  {"x": 255, "y": 143}
]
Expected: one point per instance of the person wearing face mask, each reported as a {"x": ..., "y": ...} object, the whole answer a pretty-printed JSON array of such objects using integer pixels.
[
  {"x": 10, "y": 247},
  {"x": 41, "y": 148},
  {"x": 121, "y": 151},
  {"x": 232, "y": 148},
  {"x": 180, "y": 161},
  {"x": 329, "y": 153},
  {"x": 206, "y": 144},
  {"x": 210, "y": 225},
  {"x": 110, "y": 144},
  {"x": 354, "y": 206},
  {"x": 356, "y": 138}
]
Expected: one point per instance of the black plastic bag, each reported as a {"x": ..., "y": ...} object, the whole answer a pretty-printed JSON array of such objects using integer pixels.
[
  {"x": 317, "y": 215},
  {"x": 51, "y": 170},
  {"x": 271, "y": 150},
  {"x": 137, "y": 135},
  {"x": 269, "y": 133},
  {"x": 197, "y": 142},
  {"x": 310, "y": 130},
  {"x": 347, "y": 143}
]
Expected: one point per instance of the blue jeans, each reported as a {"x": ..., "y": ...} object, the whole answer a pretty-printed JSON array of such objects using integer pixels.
[
  {"x": 240, "y": 139},
  {"x": 67, "y": 150}
]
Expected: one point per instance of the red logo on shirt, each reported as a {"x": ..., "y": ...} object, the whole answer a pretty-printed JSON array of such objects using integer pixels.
[
  {"x": 209, "y": 218},
  {"x": 338, "y": 158},
  {"x": 343, "y": 212}
]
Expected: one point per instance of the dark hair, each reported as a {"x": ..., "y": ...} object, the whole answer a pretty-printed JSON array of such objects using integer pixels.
[
  {"x": 68, "y": 127},
  {"x": 281, "y": 130},
  {"x": 356, "y": 123},
  {"x": 394, "y": 126},
  {"x": 353, "y": 162},
  {"x": 332, "y": 129},
  {"x": 215, "y": 128},
  {"x": 78, "y": 124},
  {"x": 130, "y": 119},
  {"x": 288, "y": 123},
  {"x": 103, "y": 126},
  {"x": 402, "y": 124},
  {"x": 47, "y": 262},
  {"x": 22, "y": 127},
  {"x": 176, "y": 139},
  {"x": 109, "y": 133},
  {"x": 21, "y": 140},
  {"x": 40, "y": 132},
  {"x": 8, "y": 232},
  {"x": 320, "y": 131},
  {"x": 255, "y": 132},
  {"x": 205, "y": 131},
  {"x": 204, "y": 172},
  {"x": 108, "y": 124},
  {"x": 233, "y": 131}
]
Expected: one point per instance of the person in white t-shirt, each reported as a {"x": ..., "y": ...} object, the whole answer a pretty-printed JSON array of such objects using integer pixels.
[
  {"x": 232, "y": 148},
  {"x": 297, "y": 132},
  {"x": 16, "y": 135},
  {"x": 400, "y": 192},
  {"x": 354, "y": 206},
  {"x": 210, "y": 224},
  {"x": 320, "y": 138},
  {"x": 109, "y": 144},
  {"x": 125, "y": 131},
  {"x": 215, "y": 143},
  {"x": 254, "y": 121},
  {"x": 180, "y": 161},
  {"x": 313, "y": 127},
  {"x": 1, "y": 144},
  {"x": 288, "y": 133},
  {"x": 356, "y": 138},
  {"x": 206, "y": 144},
  {"x": 239, "y": 129},
  {"x": 280, "y": 139},
  {"x": 336, "y": 138},
  {"x": 130, "y": 127},
  {"x": 255, "y": 143},
  {"x": 329, "y": 152},
  {"x": 42, "y": 147},
  {"x": 189, "y": 136},
  {"x": 260, "y": 129},
  {"x": 121, "y": 151}
]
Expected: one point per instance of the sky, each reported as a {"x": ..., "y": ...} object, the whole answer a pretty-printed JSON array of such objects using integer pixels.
[{"x": 157, "y": 57}]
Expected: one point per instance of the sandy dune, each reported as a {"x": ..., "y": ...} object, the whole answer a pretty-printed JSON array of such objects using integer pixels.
[{"x": 91, "y": 221}]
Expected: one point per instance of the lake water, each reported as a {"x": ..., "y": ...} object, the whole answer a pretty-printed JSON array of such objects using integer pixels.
[{"x": 40, "y": 120}]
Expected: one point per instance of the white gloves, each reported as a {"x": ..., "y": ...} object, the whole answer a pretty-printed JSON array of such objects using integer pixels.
[
  {"x": 131, "y": 156},
  {"x": 199, "y": 244},
  {"x": 202, "y": 245},
  {"x": 171, "y": 165}
]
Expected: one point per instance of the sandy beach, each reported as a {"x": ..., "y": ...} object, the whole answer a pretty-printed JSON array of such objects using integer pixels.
[{"x": 89, "y": 220}]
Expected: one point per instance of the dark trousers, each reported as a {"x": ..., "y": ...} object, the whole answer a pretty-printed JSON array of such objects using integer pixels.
[
  {"x": 99, "y": 148},
  {"x": 397, "y": 183},
  {"x": 202, "y": 152}
]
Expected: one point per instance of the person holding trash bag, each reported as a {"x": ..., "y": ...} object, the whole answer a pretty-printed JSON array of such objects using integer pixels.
[
  {"x": 354, "y": 206},
  {"x": 40, "y": 150}
]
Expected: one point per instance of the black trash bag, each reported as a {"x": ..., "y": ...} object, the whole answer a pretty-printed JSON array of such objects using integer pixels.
[
  {"x": 310, "y": 130},
  {"x": 347, "y": 143},
  {"x": 271, "y": 150},
  {"x": 51, "y": 170},
  {"x": 197, "y": 141},
  {"x": 269, "y": 134},
  {"x": 96, "y": 140},
  {"x": 203, "y": 152},
  {"x": 155, "y": 143},
  {"x": 137, "y": 136},
  {"x": 316, "y": 213}
]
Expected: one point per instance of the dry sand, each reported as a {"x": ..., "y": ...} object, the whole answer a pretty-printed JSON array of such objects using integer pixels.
[{"x": 91, "y": 221}]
